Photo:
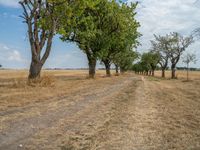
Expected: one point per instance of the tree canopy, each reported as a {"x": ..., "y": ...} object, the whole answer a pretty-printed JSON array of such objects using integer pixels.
[{"x": 105, "y": 31}]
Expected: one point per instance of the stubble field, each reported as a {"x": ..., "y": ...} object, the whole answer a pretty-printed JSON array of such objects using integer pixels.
[
  {"x": 193, "y": 75},
  {"x": 67, "y": 111}
]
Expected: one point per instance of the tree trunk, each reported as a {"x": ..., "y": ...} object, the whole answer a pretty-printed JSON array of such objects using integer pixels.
[
  {"x": 173, "y": 76},
  {"x": 187, "y": 72},
  {"x": 107, "y": 66},
  {"x": 92, "y": 67},
  {"x": 35, "y": 69},
  {"x": 108, "y": 74},
  {"x": 163, "y": 73},
  {"x": 150, "y": 73},
  {"x": 153, "y": 73},
  {"x": 117, "y": 69}
]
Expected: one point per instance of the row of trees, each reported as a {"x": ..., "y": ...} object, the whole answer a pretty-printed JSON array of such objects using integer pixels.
[
  {"x": 165, "y": 50},
  {"x": 147, "y": 64},
  {"x": 104, "y": 30}
]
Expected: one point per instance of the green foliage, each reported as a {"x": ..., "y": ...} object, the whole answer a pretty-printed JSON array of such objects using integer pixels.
[
  {"x": 104, "y": 30},
  {"x": 125, "y": 59},
  {"x": 171, "y": 45},
  {"x": 83, "y": 28},
  {"x": 161, "y": 47},
  {"x": 148, "y": 62},
  {"x": 120, "y": 36},
  {"x": 177, "y": 44}
]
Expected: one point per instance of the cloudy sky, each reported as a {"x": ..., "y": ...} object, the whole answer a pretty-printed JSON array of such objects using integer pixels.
[{"x": 155, "y": 17}]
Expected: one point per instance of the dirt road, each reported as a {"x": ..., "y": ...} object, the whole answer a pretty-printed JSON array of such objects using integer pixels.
[{"x": 130, "y": 113}]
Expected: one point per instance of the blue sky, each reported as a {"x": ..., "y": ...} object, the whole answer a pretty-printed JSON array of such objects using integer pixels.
[
  {"x": 155, "y": 16},
  {"x": 14, "y": 46}
]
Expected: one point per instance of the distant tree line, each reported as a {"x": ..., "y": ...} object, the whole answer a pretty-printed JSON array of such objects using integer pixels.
[
  {"x": 104, "y": 30},
  {"x": 190, "y": 68},
  {"x": 165, "y": 50}
]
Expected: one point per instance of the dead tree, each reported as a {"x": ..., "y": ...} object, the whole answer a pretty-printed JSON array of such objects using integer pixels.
[{"x": 187, "y": 59}]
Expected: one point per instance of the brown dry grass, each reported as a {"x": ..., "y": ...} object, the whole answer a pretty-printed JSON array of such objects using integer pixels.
[
  {"x": 15, "y": 90},
  {"x": 181, "y": 74},
  {"x": 127, "y": 112}
]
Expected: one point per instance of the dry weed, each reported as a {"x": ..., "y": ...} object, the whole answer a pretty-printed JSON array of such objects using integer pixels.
[
  {"x": 19, "y": 83},
  {"x": 44, "y": 81}
]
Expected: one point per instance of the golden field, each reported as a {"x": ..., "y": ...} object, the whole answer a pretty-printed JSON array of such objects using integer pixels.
[
  {"x": 68, "y": 111},
  {"x": 181, "y": 74}
]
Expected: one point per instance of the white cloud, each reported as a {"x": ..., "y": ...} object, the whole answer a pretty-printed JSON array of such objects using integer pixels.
[
  {"x": 9, "y": 3},
  {"x": 9, "y": 54},
  {"x": 15, "y": 56},
  {"x": 164, "y": 16},
  {"x": 5, "y": 47}
]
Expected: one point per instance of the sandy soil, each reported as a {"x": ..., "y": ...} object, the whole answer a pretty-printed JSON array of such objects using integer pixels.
[{"x": 119, "y": 113}]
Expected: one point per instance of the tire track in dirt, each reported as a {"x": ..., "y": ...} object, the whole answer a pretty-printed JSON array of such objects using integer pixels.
[
  {"x": 22, "y": 130},
  {"x": 161, "y": 117},
  {"x": 131, "y": 114},
  {"x": 124, "y": 130},
  {"x": 152, "y": 116},
  {"x": 60, "y": 98},
  {"x": 178, "y": 115}
]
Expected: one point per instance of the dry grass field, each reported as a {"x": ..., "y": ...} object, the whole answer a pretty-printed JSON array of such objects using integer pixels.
[
  {"x": 181, "y": 74},
  {"x": 67, "y": 111},
  {"x": 15, "y": 91}
]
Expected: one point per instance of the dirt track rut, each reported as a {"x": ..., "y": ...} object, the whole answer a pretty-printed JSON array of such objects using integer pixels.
[
  {"x": 132, "y": 113},
  {"x": 50, "y": 113}
]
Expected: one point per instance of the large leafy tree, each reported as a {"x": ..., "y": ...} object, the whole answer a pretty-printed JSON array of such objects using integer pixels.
[
  {"x": 177, "y": 45},
  {"x": 43, "y": 19},
  {"x": 160, "y": 46},
  {"x": 154, "y": 59},
  {"x": 146, "y": 63},
  {"x": 97, "y": 29},
  {"x": 109, "y": 29},
  {"x": 125, "y": 59},
  {"x": 85, "y": 30},
  {"x": 171, "y": 47},
  {"x": 120, "y": 36}
]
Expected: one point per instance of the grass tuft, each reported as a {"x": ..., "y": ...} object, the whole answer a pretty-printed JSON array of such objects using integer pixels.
[{"x": 44, "y": 81}]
